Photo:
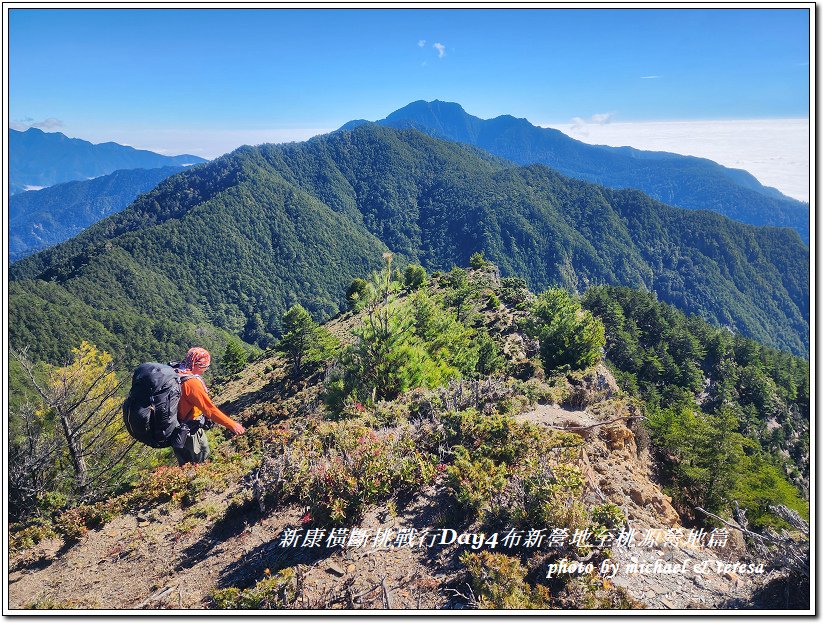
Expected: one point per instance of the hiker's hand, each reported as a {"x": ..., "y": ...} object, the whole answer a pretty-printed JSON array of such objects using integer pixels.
[{"x": 238, "y": 429}]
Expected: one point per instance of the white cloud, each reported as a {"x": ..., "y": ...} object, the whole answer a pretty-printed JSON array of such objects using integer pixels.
[
  {"x": 441, "y": 48},
  {"x": 580, "y": 125},
  {"x": 601, "y": 118},
  {"x": 775, "y": 151},
  {"x": 421, "y": 43},
  {"x": 51, "y": 123},
  {"x": 649, "y": 77},
  {"x": 21, "y": 124}
]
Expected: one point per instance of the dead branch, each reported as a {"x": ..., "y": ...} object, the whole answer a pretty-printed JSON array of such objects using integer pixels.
[
  {"x": 161, "y": 593},
  {"x": 790, "y": 554},
  {"x": 387, "y": 600},
  {"x": 600, "y": 424},
  {"x": 738, "y": 528},
  {"x": 471, "y": 600}
]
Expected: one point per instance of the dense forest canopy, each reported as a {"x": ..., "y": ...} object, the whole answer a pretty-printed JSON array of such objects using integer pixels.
[
  {"x": 39, "y": 219},
  {"x": 683, "y": 181},
  {"x": 235, "y": 243}
]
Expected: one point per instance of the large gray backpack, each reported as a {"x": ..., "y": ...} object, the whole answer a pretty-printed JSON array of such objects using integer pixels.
[{"x": 150, "y": 410}]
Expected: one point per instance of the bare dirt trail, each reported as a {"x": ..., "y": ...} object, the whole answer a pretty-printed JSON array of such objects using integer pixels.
[
  {"x": 142, "y": 561},
  {"x": 557, "y": 417}
]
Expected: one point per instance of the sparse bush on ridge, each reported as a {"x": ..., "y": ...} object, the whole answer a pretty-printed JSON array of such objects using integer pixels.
[
  {"x": 338, "y": 469},
  {"x": 278, "y": 591},
  {"x": 182, "y": 485},
  {"x": 497, "y": 582}
]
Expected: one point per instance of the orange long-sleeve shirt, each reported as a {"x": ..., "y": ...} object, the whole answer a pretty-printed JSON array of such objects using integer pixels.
[{"x": 193, "y": 394}]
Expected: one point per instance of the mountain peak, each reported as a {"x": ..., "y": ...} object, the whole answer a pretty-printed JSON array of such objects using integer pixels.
[
  {"x": 446, "y": 120},
  {"x": 682, "y": 181},
  {"x": 435, "y": 108},
  {"x": 355, "y": 123}
]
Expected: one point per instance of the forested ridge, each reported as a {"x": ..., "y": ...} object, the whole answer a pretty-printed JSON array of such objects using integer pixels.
[
  {"x": 38, "y": 219},
  {"x": 701, "y": 384},
  {"x": 684, "y": 181},
  {"x": 234, "y": 243}
]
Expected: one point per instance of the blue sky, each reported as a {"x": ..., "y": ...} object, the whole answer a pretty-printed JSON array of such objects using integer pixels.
[{"x": 204, "y": 81}]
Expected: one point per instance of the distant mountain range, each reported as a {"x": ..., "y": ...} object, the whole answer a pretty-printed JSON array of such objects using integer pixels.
[
  {"x": 39, "y": 159},
  {"x": 683, "y": 181},
  {"x": 39, "y": 219},
  {"x": 234, "y": 243}
]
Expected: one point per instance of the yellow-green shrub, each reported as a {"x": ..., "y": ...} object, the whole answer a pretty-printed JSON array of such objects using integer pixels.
[
  {"x": 498, "y": 583},
  {"x": 273, "y": 592},
  {"x": 473, "y": 482},
  {"x": 338, "y": 469}
]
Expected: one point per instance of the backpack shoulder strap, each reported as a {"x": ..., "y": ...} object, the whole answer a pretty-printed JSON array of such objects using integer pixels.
[{"x": 184, "y": 377}]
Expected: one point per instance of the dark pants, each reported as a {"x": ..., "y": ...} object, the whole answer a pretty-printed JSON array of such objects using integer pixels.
[{"x": 195, "y": 450}]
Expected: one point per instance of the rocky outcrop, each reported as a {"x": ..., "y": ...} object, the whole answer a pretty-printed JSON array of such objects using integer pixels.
[{"x": 595, "y": 385}]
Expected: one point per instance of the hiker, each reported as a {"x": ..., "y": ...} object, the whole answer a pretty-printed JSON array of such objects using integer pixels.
[{"x": 195, "y": 407}]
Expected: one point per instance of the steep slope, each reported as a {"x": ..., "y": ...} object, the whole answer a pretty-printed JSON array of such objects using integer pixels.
[
  {"x": 207, "y": 550},
  {"x": 38, "y": 158},
  {"x": 50, "y": 321},
  {"x": 682, "y": 181},
  {"x": 39, "y": 219},
  {"x": 247, "y": 235},
  {"x": 495, "y": 454}
]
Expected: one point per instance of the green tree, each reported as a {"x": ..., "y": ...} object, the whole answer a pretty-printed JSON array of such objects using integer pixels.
[
  {"x": 477, "y": 260},
  {"x": 490, "y": 360},
  {"x": 761, "y": 484},
  {"x": 304, "y": 342},
  {"x": 514, "y": 290},
  {"x": 703, "y": 454},
  {"x": 446, "y": 339},
  {"x": 235, "y": 357},
  {"x": 402, "y": 345},
  {"x": 569, "y": 336},
  {"x": 357, "y": 293},
  {"x": 414, "y": 276},
  {"x": 385, "y": 360}
]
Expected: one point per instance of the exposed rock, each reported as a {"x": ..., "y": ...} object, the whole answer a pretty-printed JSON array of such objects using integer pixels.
[
  {"x": 618, "y": 438},
  {"x": 734, "y": 549},
  {"x": 663, "y": 505},
  {"x": 523, "y": 369},
  {"x": 596, "y": 385},
  {"x": 637, "y": 496}
]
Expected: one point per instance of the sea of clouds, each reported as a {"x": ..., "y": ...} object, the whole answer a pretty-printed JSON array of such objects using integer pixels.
[{"x": 776, "y": 151}]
